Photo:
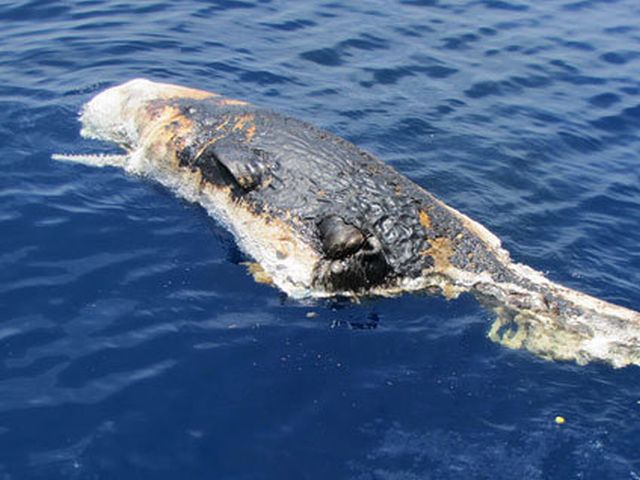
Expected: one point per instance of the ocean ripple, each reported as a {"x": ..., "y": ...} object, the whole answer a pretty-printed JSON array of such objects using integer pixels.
[{"x": 135, "y": 344}]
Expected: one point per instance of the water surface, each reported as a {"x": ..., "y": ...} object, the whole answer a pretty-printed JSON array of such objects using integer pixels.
[{"x": 133, "y": 343}]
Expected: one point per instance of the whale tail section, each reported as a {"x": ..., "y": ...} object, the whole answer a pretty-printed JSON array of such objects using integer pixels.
[{"x": 559, "y": 323}]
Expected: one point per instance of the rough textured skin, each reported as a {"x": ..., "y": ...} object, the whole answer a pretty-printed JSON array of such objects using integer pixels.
[
  {"x": 305, "y": 174},
  {"x": 321, "y": 217}
]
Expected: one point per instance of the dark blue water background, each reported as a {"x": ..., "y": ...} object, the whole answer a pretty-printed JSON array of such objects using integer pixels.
[{"x": 133, "y": 343}]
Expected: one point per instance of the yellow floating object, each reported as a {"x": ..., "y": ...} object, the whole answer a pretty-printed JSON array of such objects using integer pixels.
[{"x": 560, "y": 420}]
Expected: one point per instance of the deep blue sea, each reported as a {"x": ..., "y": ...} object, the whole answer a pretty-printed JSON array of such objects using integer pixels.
[{"x": 135, "y": 345}]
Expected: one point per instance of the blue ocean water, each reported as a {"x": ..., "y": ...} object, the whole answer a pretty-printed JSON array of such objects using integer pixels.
[{"x": 133, "y": 343}]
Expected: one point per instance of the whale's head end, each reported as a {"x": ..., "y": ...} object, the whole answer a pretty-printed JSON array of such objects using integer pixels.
[{"x": 119, "y": 114}]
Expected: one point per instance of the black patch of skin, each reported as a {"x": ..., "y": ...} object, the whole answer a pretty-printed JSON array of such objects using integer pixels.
[
  {"x": 306, "y": 175},
  {"x": 247, "y": 166},
  {"x": 339, "y": 239},
  {"x": 357, "y": 259}
]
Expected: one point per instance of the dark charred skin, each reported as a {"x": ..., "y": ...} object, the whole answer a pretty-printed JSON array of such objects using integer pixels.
[{"x": 372, "y": 224}]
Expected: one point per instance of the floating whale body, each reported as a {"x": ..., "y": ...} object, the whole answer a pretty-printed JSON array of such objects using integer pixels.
[{"x": 322, "y": 218}]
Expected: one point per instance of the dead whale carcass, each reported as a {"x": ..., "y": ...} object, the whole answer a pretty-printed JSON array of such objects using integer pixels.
[{"x": 321, "y": 217}]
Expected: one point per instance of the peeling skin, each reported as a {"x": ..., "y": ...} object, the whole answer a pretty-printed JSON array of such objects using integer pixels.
[
  {"x": 425, "y": 220},
  {"x": 441, "y": 251},
  {"x": 272, "y": 179},
  {"x": 258, "y": 273},
  {"x": 231, "y": 101}
]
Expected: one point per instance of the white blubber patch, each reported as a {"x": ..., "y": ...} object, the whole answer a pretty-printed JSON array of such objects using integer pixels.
[
  {"x": 111, "y": 115},
  {"x": 118, "y": 114}
]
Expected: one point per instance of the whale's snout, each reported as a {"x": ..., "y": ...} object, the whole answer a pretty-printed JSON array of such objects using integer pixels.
[
  {"x": 118, "y": 114},
  {"x": 110, "y": 115}
]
